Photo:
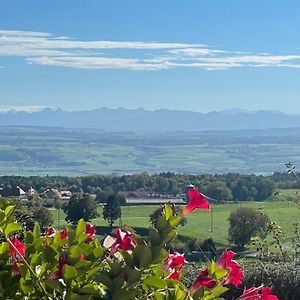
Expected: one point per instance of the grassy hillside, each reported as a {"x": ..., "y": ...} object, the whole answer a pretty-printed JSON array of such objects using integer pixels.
[{"x": 199, "y": 221}]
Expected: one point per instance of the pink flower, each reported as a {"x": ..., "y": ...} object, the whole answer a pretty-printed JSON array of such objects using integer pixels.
[
  {"x": 64, "y": 234},
  {"x": 90, "y": 230},
  {"x": 197, "y": 200},
  {"x": 20, "y": 247},
  {"x": 50, "y": 232},
  {"x": 203, "y": 280},
  {"x": 124, "y": 241},
  {"x": 253, "y": 294},
  {"x": 235, "y": 274}
]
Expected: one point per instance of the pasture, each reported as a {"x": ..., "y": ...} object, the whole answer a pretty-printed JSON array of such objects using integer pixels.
[{"x": 203, "y": 224}]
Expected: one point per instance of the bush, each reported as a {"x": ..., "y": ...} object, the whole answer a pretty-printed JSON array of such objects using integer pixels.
[
  {"x": 245, "y": 223},
  {"x": 284, "y": 277}
]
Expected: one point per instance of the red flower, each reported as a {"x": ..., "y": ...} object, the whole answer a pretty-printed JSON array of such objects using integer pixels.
[
  {"x": 15, "y": 270},
  {"x": 197, "y": 200},
  {"x": 253, "y": 294},
  {"x": 175, "y": 275},
  {"x": 124, "y": 241},
  {"x": 64, "y": 234},
  {"x": 58, "y": 274},
  {"x": 173, "y": 264},
  {"x": 174, "y": 261},
  {"x": 81, "y": 258},
  {"x": 203, "y": 280},
  {"x": 235, "y": 274},
  {"x": 20, "y": 247},
  {"x": 90, "y": 230},
  {"x": 50, "y": 231}
]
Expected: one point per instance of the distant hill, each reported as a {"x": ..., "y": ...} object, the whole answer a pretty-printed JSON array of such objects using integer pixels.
[{"x": 158, "y": 120}]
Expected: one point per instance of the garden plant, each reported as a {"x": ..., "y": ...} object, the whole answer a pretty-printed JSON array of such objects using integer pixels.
[{"x": 72, "y": 264}]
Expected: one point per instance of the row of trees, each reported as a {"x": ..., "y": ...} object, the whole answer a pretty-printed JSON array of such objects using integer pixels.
[{"x": 226, "y": 187}]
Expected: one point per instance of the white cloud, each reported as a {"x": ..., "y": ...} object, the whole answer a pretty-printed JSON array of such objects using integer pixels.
[{"x": 46, "y": 49}]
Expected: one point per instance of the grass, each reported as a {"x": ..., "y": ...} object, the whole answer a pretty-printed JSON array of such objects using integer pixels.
[{"x": 200, "y": 225}]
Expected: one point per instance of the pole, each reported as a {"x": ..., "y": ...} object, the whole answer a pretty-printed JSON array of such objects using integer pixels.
[{"x": 211, "y": 219}]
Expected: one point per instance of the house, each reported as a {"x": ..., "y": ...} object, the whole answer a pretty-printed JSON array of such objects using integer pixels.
[
  {"x": 142, "y": 198},
  {"x": 13, "y": 191}
]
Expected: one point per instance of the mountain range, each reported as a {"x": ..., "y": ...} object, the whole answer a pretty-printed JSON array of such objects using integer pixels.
[{"x": 122, "y": 119}]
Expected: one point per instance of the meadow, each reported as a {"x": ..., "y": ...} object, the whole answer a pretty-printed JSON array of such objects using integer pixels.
[{"x": 204, "y": 224}]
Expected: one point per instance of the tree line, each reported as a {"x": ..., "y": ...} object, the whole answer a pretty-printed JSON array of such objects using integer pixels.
[{"x": 225, "y": 187}]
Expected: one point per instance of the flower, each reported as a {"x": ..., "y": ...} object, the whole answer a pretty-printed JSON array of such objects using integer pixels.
[
  {"x": 197, "y": 200},
  {"x": 174, "y": 264},
  {"x": 174, "y": 261},
  {"x": 174, "y": 275},
  {"x": 203, "y": 280},
  {"x": 58, "y": 274},
  {"x": 90, "y": 230},
  {"x": 20, "y": 247},
  {"x": 124, "y": 241},
  {"x": 64, "y": 234},
  {"x": 253, "y": 294},
  {"x": 50, "y": 232},
  {"x": 235, "y": 274}
]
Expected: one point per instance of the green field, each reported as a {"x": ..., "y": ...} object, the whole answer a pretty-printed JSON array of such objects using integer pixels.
[
  {"x": 199, "y": 221},
  {"x": 60, "y": 151}
]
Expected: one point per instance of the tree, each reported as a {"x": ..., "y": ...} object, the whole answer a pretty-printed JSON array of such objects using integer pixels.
[
  {"x": 112, "y": 209},
  {"x": 245, "y": 223},
  {"x": 43, "y": 216},
  {"x": 81, "y": 207},
  {"x": 219, "y": 191}
]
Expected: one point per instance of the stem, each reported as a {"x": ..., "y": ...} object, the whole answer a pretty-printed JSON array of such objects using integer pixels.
[{"x": 28, "y": 267}]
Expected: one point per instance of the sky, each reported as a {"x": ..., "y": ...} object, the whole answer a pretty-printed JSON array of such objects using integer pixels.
[{"x": 199, "y": 55}]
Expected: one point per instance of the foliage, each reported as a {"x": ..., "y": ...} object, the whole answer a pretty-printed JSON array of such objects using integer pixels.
[
  {"x": 71, "y": 264},
  {"x": 112, "y": 210},
  {"x": 43, "y": 216},
  {"x": 245, "y": 223},
  {"x": 176, "y": 211},
  {"x": 80, "y": 207}
]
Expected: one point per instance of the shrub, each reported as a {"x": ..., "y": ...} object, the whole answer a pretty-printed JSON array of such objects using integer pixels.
[{"x": 245, "y": 223}]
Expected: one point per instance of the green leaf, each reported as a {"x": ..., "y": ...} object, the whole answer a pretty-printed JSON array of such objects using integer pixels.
[
  {"x": 90, "y": 288},
  {"x": 36, "y": 231},
  {"x": 26, "y": 286},
  {"x": 217, "y": 272},
  {"x": 154, "y": 236},
  {"x": 29, "y": 238},
  {"x": 104, "y": 279},
  {"x": 4, "y": 248},
  {"x": 2, "y": 216},
  {"x": 174, "y": 220},
  {"x": 69, "y": 272},
  {"x": 158, "y": 296},
  {"x": 159, "y": 254},
  {"x": 12, "y": 228},
  {"x": 73, "y": 296},
  {"x": 54, "y": 284},
  {"x": 168, "y": 212},
  {"x": 131, "y": 275},
  {"x": 155, "y": 282},
  {"x": 80, "y": 228},
  {"x": 9, "y": 210},
  {"x": 142, "y": 256}
]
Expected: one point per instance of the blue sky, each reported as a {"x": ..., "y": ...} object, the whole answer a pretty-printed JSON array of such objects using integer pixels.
[{"x": 188, "y": 55}]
